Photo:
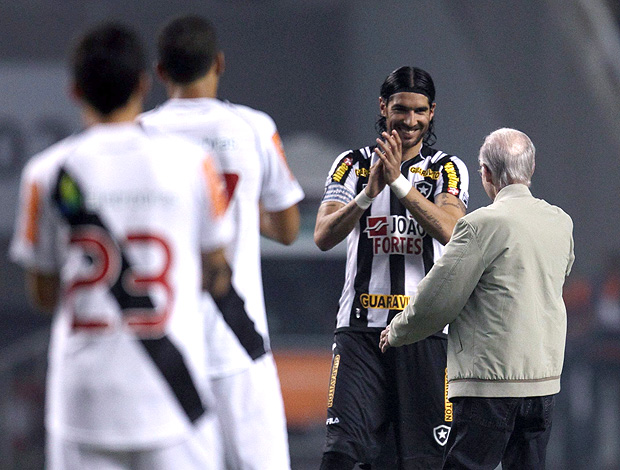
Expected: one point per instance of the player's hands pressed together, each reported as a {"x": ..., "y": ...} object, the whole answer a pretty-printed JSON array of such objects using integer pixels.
[
  {"x": 384, "y": 342},
  {"x": 376, "y": 180},
  {"x": 390, "y": 151}
]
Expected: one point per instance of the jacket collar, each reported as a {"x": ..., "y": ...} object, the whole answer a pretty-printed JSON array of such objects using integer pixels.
[{"x": 513, "y": 191}]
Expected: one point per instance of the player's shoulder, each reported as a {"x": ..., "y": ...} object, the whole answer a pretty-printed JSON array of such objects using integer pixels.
[
  {"x": 353, "y": 156},
  {"x": 147, "y": 116},
  {"x": 203, "y": 115},
  {"x": 440, "y": 158},
  {"x": 45, "y": 162},
  {"x": 344, "y": 163},
  {"x": 168, "y": 142},
  {"x": 160, "y": 114},
  {"x": 260, "y": 120}
]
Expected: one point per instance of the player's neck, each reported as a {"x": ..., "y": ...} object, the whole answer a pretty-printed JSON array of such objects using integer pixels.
[
  {"x": 127, "y": 113},
  {"x": 205, "y": 87},
  {"x": 412, "y": 152}
]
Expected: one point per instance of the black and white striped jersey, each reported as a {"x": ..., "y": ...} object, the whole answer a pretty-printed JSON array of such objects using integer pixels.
[{"x": 388, "y": 251}]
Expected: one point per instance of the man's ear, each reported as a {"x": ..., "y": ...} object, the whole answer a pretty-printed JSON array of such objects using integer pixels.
[
  {"x": 432, "y": 110},
  {"x": 382, "y": 107},
  {"x": 486, "y": 174}
]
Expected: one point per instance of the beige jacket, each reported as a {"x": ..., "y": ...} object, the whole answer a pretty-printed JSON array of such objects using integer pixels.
[{"x": 499, "y": 286}]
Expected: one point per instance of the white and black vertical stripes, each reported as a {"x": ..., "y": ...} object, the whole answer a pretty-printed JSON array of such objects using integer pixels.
[{"x": 388, "y": 253}]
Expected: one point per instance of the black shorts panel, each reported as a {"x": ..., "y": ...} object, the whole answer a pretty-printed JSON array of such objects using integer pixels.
[{"x": 370, "y": 391}]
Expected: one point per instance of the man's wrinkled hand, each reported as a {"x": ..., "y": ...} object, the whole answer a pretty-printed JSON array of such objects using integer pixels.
[{"x": 384, "y": 343}]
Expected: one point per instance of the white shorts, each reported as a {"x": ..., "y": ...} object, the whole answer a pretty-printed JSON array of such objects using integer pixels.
[
  {"x": 251, "y": 418},
  {"x": 196, "y": 452}
]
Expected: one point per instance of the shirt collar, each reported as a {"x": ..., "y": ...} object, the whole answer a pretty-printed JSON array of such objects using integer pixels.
[{"x": 513, "y": 191}]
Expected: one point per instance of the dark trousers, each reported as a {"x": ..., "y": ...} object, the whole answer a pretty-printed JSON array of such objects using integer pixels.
[{"x": 487, "y": 431}]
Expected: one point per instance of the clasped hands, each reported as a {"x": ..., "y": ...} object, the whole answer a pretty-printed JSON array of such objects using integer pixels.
[{"x": 387, "y": 169}]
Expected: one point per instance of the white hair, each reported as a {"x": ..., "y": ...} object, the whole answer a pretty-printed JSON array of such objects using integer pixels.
[{"x": 509, "y": 155}]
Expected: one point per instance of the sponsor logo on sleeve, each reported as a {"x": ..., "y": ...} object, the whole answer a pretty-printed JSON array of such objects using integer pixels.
[
  {"x": 342, "y": 169},
  {"x": 453, "y": 179}
]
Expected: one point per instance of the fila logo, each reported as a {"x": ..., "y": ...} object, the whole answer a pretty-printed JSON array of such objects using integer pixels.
[
  {"x": 332, "y": 421},
  {"x": 376, "y": 226},
  {"x": 441, "y": 433}
]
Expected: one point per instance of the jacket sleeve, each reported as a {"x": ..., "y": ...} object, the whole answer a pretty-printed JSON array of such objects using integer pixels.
[{"x": 442, "y": 294}]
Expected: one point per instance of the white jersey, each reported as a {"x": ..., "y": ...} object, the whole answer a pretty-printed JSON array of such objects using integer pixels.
[
  {"x": 247, "y": 147},
  {"x": 388, "y": 251},
  {"x": 122, "y": 217}
]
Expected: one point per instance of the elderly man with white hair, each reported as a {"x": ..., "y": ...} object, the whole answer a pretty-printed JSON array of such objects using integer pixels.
[{"x": 499, "y": 286}]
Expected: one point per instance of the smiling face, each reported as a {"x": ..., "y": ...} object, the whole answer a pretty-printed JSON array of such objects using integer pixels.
[{"x": 410, "y": 115}]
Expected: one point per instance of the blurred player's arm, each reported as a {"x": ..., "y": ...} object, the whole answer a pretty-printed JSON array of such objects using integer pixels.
[
  {"x": 43, "y": 290},
  {"x": 335, "y": 220},
  {"x": 216, "y": 274},
  {"x": 281, "y": 226},
  {"x": 217, "y": 281},
  {"x": 438, "y": 218}
]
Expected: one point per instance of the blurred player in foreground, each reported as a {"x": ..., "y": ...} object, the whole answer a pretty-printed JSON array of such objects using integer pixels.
[
  {"x": 396, "y": 204},
  {"x": 499, "y": 286},
  {"x": 264, "y": 196},
  {"x": 118, "y": 230}
]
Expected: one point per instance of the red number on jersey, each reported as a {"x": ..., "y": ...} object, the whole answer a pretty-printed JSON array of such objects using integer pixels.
[{"x": 112, "y": 277}]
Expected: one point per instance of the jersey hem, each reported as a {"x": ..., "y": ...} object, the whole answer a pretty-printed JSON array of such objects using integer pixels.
[
  {"x": 119, "y": 441},
  {"x": 378, "y": 329}
]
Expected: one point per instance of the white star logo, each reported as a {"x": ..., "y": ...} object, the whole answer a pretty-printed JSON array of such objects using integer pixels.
[{"x": 441, "y": 433}]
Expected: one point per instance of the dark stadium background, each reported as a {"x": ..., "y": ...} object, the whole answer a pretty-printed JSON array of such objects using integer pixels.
[{"x": 550, "y": 68}]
